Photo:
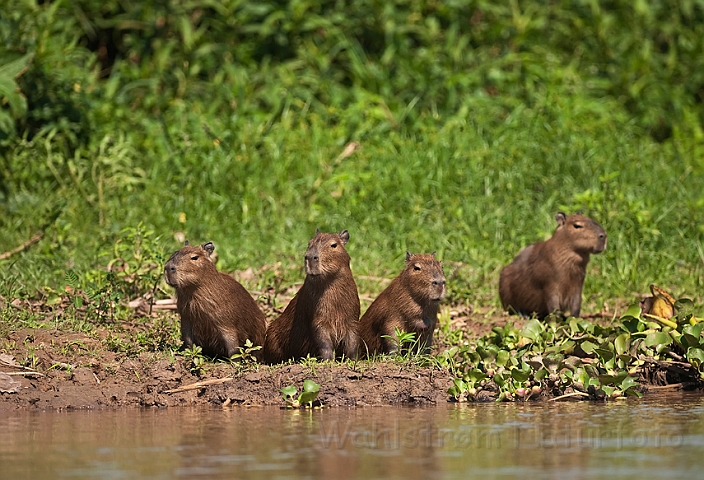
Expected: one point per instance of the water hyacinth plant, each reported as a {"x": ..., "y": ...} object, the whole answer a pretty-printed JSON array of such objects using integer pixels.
[{"x": 577, "y": 357}]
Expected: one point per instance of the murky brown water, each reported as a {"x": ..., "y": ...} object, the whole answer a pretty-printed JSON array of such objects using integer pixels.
[{"x": 655, "y": 437}]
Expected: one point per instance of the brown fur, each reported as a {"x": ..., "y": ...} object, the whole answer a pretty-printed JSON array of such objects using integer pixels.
[
  {"x": 548, "y": 276},
  {"x": 322, "y": 318},
  {"x": 217, "y": 313},
  {"x": 410, "y": 303}
]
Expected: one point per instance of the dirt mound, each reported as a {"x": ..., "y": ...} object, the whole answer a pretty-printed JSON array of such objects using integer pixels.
[{"x": 62, "y": 370}]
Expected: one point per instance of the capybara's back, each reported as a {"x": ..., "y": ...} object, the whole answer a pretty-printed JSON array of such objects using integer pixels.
[
  {"x": 321, "y": 320},
  {"x": 410, "y": 303},
  {"x": 547, "y": 277},
  {"x": 217, "y": 313}
]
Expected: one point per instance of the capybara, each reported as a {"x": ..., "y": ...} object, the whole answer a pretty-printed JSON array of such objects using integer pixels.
[
  {"x": 547, "y": 277},
  {"x": 410, "y": 303},
  {"x": 217, "y": 313},
  {"x": 322, "y": 318}
]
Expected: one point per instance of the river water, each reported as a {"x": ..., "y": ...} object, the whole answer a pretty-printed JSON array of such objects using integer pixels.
[{"x": 658, "y": 436}]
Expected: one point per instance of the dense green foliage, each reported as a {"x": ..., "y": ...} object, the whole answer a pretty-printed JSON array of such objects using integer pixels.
[
  {"x": 580, "y": 358},
  {"x": 477, "y": 121}
]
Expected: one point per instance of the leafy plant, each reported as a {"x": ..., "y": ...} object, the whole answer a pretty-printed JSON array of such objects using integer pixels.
[
  {"x": 577, "y": 357},
  {"x": 194, "y": 359},
  {"x": 246, "y": 357},
  {"x": 11, "y": 67},
  {"x": 307, "y": 396}
]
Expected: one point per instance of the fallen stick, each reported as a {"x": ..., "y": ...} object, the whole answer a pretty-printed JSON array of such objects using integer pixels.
[
  {"x": 197, "y": 385},
  {"x": 25, "y": 374},
  {"x": 28, "y": 243},
  {"x": 671, "y": 386},
  {"x": 573, "y": 394}
]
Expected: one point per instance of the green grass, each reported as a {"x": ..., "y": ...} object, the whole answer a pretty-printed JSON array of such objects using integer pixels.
[
  {"x": 477, "y": 123},
  {"x": 474, "y": 191}
]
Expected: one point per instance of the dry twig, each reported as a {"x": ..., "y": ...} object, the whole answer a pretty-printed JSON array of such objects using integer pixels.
[
  {"x": 197, "y": 385},
  {"x": 25, "y": 245}
]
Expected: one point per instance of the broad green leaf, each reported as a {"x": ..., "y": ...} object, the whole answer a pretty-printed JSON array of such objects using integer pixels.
[
  {"x": 684, "y": 309},
  {"x": 632, "y": 325},
  {"x": 532, "y": 330},
  {"x": 693, "y": 330},
  {"x": 307, "y": 397},
  {"x": 588, "y": 347},
  {"x": 476, "y": 375},
  {"x": 309, "y": 386},
  {"x": 502, "y": 358},
  {"x": 632, "y": 312},
  {"x": 553, "y": 362},
  {"x": 519, "y": 376},
  {"x": 628, "y": 382},
  {"x": 657, "y": 338},
  {"x": 289, "y": 391},
  {"x": 695, "y": 356},
  {"x": 622, "y": 343}
]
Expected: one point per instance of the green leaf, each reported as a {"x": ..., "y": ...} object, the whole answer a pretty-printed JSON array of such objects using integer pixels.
[
  {"x": 532, "y": 330},
  {"x": 622, "y": 343},
  {"x": 632, "y": 325},
  {"x": 693, "y": 330},
  {"x": 553, "y": 362},
  {"x": 519, "y": 376},
  {"x": 289, "y": 391},
  {"x": 684, "y": 308},
  {"x": 475, "y": 376},
  {"x": 628, "y": 382},
  {"x": 632, "y": 312},
  {"x": 502, "y": 357},
  {"x": 588, "y": 347},
  {"x": 541, "y": 374},
  {"x": 695, "y": 356},
  {"x": 615, "y": 379},
  {"x": 657, "y": 338},
  {"x": 310, "y": 391},
  {"x": 309, "y": 386}
]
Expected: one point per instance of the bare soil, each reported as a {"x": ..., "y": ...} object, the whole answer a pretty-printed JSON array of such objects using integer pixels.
[
  {"x": 77, "y": 372},
  {"x": 55, "y": 368}
]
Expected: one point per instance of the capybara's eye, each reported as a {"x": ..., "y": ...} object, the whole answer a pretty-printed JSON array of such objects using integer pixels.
[
  {"x": 334, "y": 245},
  {"x": 416, "y": 267},
  {"x": 578, "y": 225},
  {"x": 195, "y": 257}
]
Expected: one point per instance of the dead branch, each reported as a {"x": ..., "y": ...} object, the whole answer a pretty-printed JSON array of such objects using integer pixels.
[
  {"x": 25, "y": 245},
  {"x": 197, "y": 385}
]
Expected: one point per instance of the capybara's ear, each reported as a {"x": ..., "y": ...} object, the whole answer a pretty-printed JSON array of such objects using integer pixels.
[
  {"x": 433, "y": 254},
  {"x": 560, "y": 218},
  {"x": 186, "y": 244},
  {"x": 317, "y": 231},
  {"x": 579, "y": 212},
  {"x": 408, "y": 256},
  {"x": 209, "y": 247},
  {"x": 345, "y": 237}
]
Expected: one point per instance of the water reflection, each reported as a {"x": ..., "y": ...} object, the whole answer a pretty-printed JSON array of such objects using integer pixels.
[{"x": 655, "y": 437}]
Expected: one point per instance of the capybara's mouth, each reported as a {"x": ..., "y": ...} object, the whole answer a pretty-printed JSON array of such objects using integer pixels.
[
  {"x": 312, "y": 270},
  {"x": 170, "y": 281},
  {"x": 600, "y": 248}
]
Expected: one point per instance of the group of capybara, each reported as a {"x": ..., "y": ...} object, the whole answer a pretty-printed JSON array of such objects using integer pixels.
[{"x": 323, "y": 319}]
